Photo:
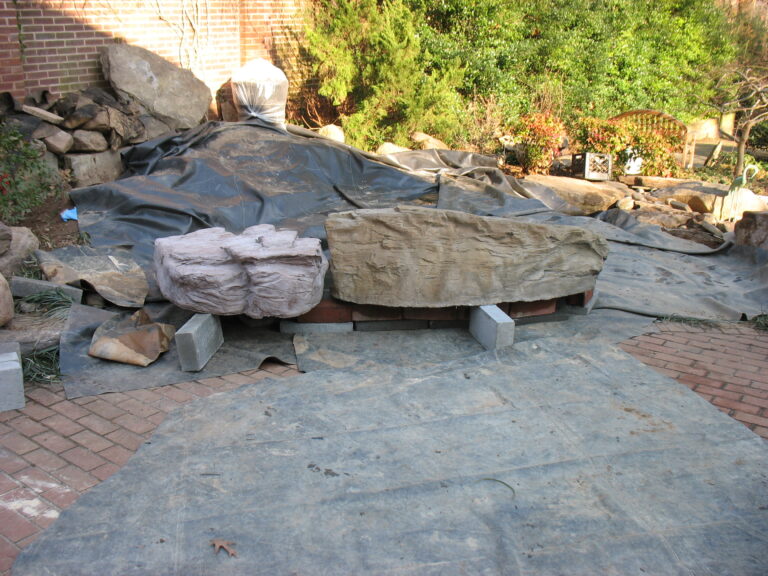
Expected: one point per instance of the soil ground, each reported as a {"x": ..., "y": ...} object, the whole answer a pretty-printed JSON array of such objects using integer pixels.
[{"x": 46, "y": 223}]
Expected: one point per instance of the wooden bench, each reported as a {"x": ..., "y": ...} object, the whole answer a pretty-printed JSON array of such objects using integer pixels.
[{"x": 664, "y": 124}]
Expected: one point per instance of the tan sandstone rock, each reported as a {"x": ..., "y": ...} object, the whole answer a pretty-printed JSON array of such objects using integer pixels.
[{"x": 423, "y": 257}]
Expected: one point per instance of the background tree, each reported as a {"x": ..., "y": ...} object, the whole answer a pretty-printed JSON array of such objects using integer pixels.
[{"x": 744, "y": 91}]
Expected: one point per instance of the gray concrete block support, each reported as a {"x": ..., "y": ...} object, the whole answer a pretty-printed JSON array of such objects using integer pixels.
[
  {"x": 491, "y": 327},
  {"x": 198, "y": 340},
  {"x": 11, "y": 377}
]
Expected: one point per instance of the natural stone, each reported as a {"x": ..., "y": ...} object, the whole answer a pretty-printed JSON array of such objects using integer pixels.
[
  {"x": 665, "y": 219},
  {"x": 171, "y": 93},
  {"x": 59, "y": 143},
  {"x": 44, "y": 115},
  {"x": 133, "y": 339},
  {"x": 6, "y": 302},
  {"x": 390, "y": 148},
  {"x": 153, "y": 127},
  {"x": 676, "y": 204},
  {"x": 6, "y": 236},
  {"x": 44, "y": 130},
  {"x": 427, "y": 142},
  {"x": 264, "y": 272},
  {"x": 627, "y": 203},
  {"x": 23, "y": 243},
  {"x": 699, "y": 196},
  {"x": 96, "y": 168},
  {"x": 752, "y": 230},
  {"x": 332, "y": 132},
  {"x": 99, "y": 122},
  {"x": 583, "y": 197},
  {"x": 89, "y": 141},
  {"x": 424, "y": 257},
  {"x": 83, "y": 115}
]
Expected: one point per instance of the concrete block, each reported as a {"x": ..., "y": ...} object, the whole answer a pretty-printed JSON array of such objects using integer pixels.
[
  {"x": 198, "y": 340},
  {"x": 290, "y": 327},
  {"x": 11, "y": 377},
  {"x": 387, "y": 325},
  {"x": 491, "y": 327},
  {"x": 22, "y": 287}
]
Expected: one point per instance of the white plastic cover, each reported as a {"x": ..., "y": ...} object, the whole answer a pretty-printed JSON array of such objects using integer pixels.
[{"x": 260, "y": 91}]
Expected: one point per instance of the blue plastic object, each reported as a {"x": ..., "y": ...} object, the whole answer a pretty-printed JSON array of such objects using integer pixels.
[{"x": 70, "y": 214}]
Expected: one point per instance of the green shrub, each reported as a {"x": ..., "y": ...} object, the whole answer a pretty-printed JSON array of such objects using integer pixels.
[
  {"x": 625, "y": 141},
  {"x": 368, "y": 59},
  {"x": 540, "y": 136},
  {"x": 26, "y": 181}
]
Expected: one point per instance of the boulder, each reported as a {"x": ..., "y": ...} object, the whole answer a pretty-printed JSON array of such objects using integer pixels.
[
  {"x": 423, "y": 257},
  {"x": 99, "y": 122},
  {"x": 83, "y": 115},
  {"x": 6, "y": 302},
  {"x": 95, "y": 168},
  {"x": 60, "y": 142},
  {"x": 89, "y": 141},
  {"x": 153, "y": 128},
  {"x": 390, "y": 148},
  {"x": 700, "y": 196},
  {"x": 45, "y": 130},
  {"x": 332, "y": 132},
  {"x": 752, "y": 230},
  {"x": 262, "y": 273},
  {"x": 23, "y": 243},
  {"x": 6, "y": 235},
  {"x": 582, "y": 196},
  {"x": 131, "y": 339},
  {"x": 171, "y": 93},
  {"x": 427, "y": 142}
]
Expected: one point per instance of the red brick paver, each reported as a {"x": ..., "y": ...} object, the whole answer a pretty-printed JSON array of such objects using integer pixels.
[
  {"x": 55, "y": 449},
  {"x": 726, "y": 364}
]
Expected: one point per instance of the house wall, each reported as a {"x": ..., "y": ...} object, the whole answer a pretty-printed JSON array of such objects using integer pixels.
[{"x": 54, "y": 44}]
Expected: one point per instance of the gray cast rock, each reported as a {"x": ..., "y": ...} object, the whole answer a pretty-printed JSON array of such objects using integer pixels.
[{"x": 262, "y": 273}]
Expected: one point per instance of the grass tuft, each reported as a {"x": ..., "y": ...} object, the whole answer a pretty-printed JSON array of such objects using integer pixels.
[{"x": 42, "y": 366}]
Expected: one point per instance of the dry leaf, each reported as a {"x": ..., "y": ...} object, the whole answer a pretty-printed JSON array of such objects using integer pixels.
[{"x": 228, "y": 547}]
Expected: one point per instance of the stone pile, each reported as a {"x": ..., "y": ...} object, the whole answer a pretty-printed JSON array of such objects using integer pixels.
[{"x": 83, "y": 131}]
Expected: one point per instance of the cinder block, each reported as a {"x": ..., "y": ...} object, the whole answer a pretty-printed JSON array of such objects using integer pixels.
[
  {"x": 289, "y": 327},
  {"x": 11, "y": 377},
  {"x": 198, "y": 340},
  {"x": 22, "y": 287},
  {"x": 387, "y": 325},
  {"x": 491, "y": 327}
]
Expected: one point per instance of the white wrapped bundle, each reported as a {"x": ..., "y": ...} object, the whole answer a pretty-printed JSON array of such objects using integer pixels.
[{"x": 260, "y": 91}]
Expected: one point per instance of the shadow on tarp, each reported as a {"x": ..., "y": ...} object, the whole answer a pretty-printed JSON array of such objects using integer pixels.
[{"x": 244, "y": 348}]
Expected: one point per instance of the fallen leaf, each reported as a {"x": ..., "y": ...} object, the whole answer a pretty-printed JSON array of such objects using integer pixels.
[{"x": 228, "y": 547}]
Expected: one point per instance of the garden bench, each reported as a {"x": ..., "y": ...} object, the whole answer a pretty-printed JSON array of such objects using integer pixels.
[{"x": 665, "y": 124}]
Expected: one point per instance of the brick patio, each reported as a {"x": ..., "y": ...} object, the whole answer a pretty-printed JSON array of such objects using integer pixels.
[{"x": 56, "y": 449}]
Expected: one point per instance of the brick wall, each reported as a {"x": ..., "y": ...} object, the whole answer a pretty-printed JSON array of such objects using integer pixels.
[{"x": 54, "y": 44}]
